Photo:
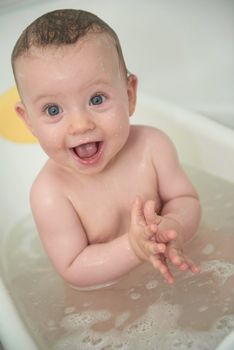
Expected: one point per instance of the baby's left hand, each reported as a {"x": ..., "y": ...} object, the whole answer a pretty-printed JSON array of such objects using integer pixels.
[{"x": 168, "y": 231}]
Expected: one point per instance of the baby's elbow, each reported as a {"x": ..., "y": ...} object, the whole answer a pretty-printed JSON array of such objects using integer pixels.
[
  {"x": 75, "y": 278},
  {"x": 82, "y": 280}
]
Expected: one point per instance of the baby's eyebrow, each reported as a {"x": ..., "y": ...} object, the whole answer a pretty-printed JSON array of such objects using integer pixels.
[
  {"x": 103, "y": 82},
  {"x": 95, "y": 83},
  {"x": 44, "y": 96}
]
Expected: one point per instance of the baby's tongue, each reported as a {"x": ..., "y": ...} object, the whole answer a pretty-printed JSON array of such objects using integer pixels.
[{"x": 87, "y": 150}]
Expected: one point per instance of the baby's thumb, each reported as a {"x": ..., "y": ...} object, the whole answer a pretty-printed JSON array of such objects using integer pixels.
[
  {"x": 137, "y": 214},
  {"x": 150, "y": 213}
]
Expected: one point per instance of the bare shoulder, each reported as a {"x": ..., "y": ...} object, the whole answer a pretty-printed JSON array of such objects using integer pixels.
[
  {"x": 152, "y": 135},
  {"x": 159, "y": 146},
  {"x": 47, "y": 187}
]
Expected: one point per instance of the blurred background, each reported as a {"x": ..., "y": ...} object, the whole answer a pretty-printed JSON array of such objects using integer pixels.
[{"x": 181, "y": 50}]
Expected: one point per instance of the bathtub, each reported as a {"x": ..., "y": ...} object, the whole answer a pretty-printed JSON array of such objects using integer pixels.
[{"x": 38, "y": 311}]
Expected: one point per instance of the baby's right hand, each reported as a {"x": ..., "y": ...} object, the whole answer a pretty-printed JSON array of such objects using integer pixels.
[{"x": 141, "y": 235}]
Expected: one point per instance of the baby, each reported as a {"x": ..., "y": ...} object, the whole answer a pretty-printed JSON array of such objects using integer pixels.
[{"x": 111, "y": 194}]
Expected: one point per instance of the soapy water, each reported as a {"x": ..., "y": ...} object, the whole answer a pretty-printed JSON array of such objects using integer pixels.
[{"x": 140, "y": 311}]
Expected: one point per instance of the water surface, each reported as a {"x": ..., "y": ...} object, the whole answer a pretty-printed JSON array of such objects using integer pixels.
[{"x": 140, "y": 311}]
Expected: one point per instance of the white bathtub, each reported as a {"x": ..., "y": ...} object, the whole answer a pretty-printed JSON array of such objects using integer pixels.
[{"x": 200, "y": 142}]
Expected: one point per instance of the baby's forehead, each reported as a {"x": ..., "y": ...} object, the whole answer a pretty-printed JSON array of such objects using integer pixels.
[
  {"x": 100, "y": 40},
  {"x": 96, "y": 50},
  {"x": 93, "y": 47}
]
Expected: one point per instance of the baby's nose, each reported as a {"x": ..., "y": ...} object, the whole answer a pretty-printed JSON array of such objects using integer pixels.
[{"x": 79, "y": 124}]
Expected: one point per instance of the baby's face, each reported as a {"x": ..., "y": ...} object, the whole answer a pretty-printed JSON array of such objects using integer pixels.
[{"x": 77, "y": 102}]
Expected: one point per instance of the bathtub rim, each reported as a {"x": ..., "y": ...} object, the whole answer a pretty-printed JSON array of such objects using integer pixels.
[
  {"x": 22, "y": 339},
  {"x": 213, "y": 142}
]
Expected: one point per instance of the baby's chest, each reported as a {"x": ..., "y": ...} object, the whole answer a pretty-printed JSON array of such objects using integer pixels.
[
  {"x": 104, "y": 221},
  {"x": 106, "y": 212}
]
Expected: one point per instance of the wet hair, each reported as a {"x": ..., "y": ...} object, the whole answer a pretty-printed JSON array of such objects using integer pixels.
[{"x": 62, "y": 27}]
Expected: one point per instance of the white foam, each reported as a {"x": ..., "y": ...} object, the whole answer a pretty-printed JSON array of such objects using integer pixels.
[
  {"x": 203, "y": 308},
  {"x": 69, "y": 310},
  {"x": 81, "y": 319},
  {"x": 135, "y": 296},
  {"x": 222, "y": 270},
  {"x": 208, "y": 249},
  {"x": 152, "y": 284},
  {"x": 160, "y": 319},
  {"x": 121, "y": 319}
]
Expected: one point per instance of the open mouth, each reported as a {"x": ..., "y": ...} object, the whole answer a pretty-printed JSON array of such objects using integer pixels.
[{"x": 88, "y": 152}]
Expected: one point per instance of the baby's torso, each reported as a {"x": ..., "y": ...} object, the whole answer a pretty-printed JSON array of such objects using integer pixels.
[
  {"x": 105, "y": 208},
  {"x": 104, "y": 203}
]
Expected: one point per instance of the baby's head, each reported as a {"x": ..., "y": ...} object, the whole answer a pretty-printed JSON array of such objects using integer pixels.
[
  {"x": 74, "y": 88},
  {"x": 59, "y": 28}
]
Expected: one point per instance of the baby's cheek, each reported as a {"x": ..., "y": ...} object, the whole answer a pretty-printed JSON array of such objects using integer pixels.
[{"x": 50, "y": 141}]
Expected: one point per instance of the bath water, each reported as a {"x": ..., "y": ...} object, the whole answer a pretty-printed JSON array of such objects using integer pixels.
[{"x": 141, "y": 311}]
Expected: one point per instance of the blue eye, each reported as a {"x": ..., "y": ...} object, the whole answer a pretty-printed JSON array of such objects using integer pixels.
[
  {"x": 53, "y": 110},
  {"x": 97, "y": 100}
]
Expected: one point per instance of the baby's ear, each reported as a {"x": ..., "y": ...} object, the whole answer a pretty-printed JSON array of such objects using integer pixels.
[
  {"x": 23, "y": 114},
  {"x": 132, "y": 93}
]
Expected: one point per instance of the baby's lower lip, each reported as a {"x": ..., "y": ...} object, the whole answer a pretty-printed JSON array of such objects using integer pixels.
[{"x": 89, "y": 160}]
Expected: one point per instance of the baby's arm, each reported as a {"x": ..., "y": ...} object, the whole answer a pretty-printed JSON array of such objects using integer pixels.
[
  {"x": 180, "y": 211},
  {"x": 67, "y": 246},
  {"x": 179, "y": 198}
]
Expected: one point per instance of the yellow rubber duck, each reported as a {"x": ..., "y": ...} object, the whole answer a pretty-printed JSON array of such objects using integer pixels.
[{"x": 11, "y": 126}]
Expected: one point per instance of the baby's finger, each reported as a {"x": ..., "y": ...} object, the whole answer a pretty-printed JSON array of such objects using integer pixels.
[
  {"x": 177, "y": 258},
  {"x": 137, "y": 214},
  {"x": 150, "y": 214},
  {"x": 166, "y": 236},
  {"x": 150, "y": 231},
  {"x": 154, "y": 248},
  {"x": 191, "y": 265},
  {"x": 182, "y": 262},
  {"x": 153, "y": 228},
  {"x": 161, "y": 265}
]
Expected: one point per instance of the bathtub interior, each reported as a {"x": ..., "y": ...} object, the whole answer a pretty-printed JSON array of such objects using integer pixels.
[{"x": 140, "y": 310}]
